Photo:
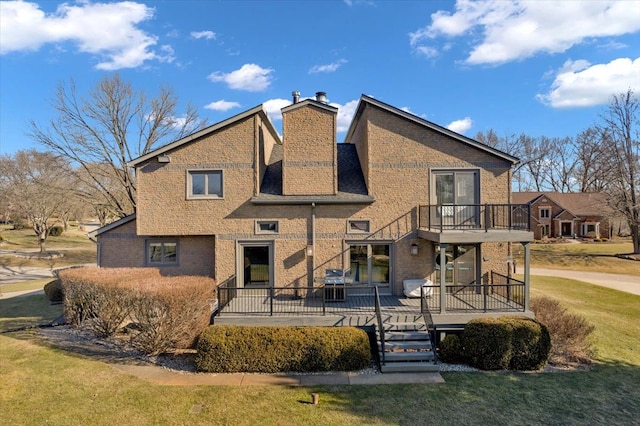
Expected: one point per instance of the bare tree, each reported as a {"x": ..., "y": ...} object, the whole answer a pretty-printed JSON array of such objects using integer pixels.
[
  {"x": 592, "y": 171},
  {"x": 109, "y": 127},
  {"x": 620, "y": 138},
  {"x": 32, "y": 183}
]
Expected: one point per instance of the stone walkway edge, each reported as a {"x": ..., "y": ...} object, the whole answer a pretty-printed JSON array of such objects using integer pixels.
[{"x": 165, "y": 377}]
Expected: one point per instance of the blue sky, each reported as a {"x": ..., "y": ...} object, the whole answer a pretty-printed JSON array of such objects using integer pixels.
[{"x": 542, "y": 68}]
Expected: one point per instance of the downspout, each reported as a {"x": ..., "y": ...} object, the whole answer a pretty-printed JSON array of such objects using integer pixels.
[{"x": 313, "y": 242}]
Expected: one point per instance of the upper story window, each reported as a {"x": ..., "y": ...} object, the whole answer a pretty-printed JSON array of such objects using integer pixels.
[
  {"x": 162, "y": 252},
  {"x": 358, "y": 226},
  {"x": 204, "y": 184},
  {"x": 545, "y": 213},
  {"x": 267, "y": 227},
  {"x": 458, "y": 187}
]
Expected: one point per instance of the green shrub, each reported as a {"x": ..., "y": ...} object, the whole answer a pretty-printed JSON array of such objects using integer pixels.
[
  {"x": 225, "y": 349},
  {"x": 450, "y": 350},
  {"x": 486, "y": 344},
  {"x": 55, "y": 231},
  {"x": 530, "y": 343},
  {"x": 53, "y": 291}
]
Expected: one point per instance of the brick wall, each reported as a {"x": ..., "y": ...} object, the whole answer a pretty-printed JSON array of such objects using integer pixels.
[{"x": 309, "y": 151}]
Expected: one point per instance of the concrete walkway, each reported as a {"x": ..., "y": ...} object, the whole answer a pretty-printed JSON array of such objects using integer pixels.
[
  {"x": 626, "y": 283},
  {"x": 165, "y": 377}
]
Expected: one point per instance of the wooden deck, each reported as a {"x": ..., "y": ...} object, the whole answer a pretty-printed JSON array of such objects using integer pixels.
[{"x": 258, "y": 308}]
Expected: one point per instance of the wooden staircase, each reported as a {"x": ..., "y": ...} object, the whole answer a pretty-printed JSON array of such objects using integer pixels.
[{"x": 404, "y": 345}]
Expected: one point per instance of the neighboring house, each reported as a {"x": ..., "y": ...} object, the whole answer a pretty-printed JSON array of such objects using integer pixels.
[
  {"x": 400, "y": 199},
  {"x": 568, "y": 215}
]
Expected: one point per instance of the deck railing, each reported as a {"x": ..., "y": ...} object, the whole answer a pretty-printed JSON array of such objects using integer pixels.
[
  {"x": 444, "y": 217},
  {"x": 316, "y": 300},
  {"x": 500, "y": 294}
]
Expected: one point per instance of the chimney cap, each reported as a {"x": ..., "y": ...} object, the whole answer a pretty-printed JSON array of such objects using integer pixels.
[
  {"x": 321, "y": 97},
  {"x": 296, "y": 96}
]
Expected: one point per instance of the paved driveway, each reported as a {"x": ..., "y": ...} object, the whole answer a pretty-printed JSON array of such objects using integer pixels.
[{"x": 627, "y": 283}]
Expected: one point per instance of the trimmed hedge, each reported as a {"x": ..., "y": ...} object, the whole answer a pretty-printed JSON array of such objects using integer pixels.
[
  {"x": 450, "y": 350},
  {"x": 530, "y": 343},
  {"x": 515, "y": 343},
  {"x": 486, "y": 344},
  {"x": 228, "y": 349},
  {"x": 53, "y": 291}
]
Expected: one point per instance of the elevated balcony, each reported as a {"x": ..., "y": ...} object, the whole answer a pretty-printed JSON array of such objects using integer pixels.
[{"x": 475, "y": 223}]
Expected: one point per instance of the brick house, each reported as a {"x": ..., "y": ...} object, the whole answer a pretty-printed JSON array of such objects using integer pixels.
[
  {"x": 401, "y": 199},
  {"x": 568, "y": 215}
]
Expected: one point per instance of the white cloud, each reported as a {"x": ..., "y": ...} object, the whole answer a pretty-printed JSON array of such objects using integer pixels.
[
  {"x": 222, "y": 105},
  {"x": 460, "y": 126},
  {"x": 580, "y": 84},
  {"x": 513, "y": 30},
  {"x": 249, "y": 77},
  {"x": 328, "y": 67},
  {"x": 273, "y": 107},
  {"x": 207, "y": 35},
  {"x": 345, "y": 114},
  {"x": 428, "y": 51},
  {"x": 107, "y": 30}
]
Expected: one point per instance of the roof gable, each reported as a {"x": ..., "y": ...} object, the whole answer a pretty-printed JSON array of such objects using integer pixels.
[
  {"x": 111, "y": 226},
  {"x": 577, "y": 203},
  {"x": 213, "y": 128},
  {"x": 367, "y": 100}
]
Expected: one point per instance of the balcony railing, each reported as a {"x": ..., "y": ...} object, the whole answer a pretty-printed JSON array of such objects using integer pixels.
[{"x": 444, "y": 217}]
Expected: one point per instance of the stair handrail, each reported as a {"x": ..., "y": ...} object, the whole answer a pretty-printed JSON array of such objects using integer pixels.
[
  {"x": 380, "y": 325},
  {"x": 428, "y": 321}
]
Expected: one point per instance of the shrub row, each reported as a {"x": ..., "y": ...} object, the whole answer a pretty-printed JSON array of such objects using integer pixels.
[
  {"x": 53, "y": 291},
  {"x": 494, "y": 344},
  {"x": 569, "y": 332},
  {"x": 227, "y": 349},
  {"x": 168, "y": 312}
]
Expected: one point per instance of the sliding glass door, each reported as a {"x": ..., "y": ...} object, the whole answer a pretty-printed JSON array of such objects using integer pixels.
[
  {"x": 456, "y": 194},
  {"x": 370, "y": 264}
]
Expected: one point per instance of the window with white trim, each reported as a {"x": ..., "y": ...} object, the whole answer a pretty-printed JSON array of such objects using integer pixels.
[
  {"x": 358, "y": 226},
  {"x": 267, "y": 227},
  {"x": 162, "y": 252},
  {"x": 205, "y": 184},
  {"x": 545, "y": 213}
]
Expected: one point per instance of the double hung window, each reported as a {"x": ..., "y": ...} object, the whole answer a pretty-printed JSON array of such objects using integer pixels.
[{"x": 205, "y": 184}]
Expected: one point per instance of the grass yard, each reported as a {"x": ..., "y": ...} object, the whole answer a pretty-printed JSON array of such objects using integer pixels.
[
  {"x": 41, "y": 384},
  {"x": 595, "y": 257}
]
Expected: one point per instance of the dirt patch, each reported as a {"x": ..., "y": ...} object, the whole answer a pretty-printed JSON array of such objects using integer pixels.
[{"x": 115, "y": 350}]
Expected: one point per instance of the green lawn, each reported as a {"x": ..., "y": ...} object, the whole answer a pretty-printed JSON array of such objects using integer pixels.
[
  {"x": 41, "y": 384},
  {"x": 595, "y": 257}
]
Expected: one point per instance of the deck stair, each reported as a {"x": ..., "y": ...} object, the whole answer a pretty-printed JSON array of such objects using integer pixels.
[{"x": 407, "y": 345}]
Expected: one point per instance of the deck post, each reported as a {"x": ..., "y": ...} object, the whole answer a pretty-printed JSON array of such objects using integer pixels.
[
  {"x": 443, "y": 278},
  {"x": 527, "y": 274}
]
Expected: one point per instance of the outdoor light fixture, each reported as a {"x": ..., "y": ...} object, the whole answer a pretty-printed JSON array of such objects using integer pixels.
[
  {"x": 164, "y": 159},
  {"x": 414, "y": 249},
  {"x": 309, "y": 250}
]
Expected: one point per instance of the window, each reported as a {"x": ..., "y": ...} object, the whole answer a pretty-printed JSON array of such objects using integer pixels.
[
  {"x": 358, "y": 226},
  {"x": 162, "y": 252},
  {"x": 545, "y": 230},
  {"x": 205, "y": 184},
  {"x": 545, "y": 213},
  {"x": 267, "y": 227},
  {"x": 590, "y": 229}
]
